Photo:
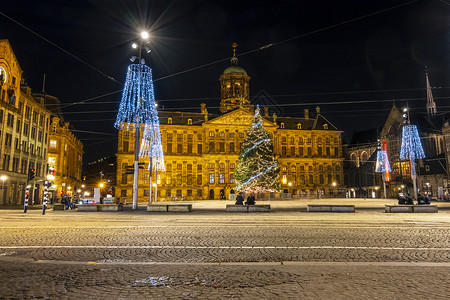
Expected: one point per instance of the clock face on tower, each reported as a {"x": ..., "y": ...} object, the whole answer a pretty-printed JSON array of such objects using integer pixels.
[{"x": 2, "y": 75}]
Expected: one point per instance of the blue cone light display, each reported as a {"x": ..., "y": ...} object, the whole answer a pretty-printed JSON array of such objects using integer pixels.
[
  {"x": 411, "y": 147},
  {"x": 382, "y": 162},
  {"x": 137, "y": 98},
  {"x": 151, "y": 144}
]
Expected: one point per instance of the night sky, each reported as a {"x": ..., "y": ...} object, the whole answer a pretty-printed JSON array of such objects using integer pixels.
[{"x": 353, "y": 58}]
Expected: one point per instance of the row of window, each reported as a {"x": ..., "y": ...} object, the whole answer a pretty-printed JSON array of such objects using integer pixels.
[
  {"x": 190, "y": 136},
  {"x": 24, "y": 166},
  {"x": 308, "y": 140},
  {"x": 38, "y": 118},
  {"x": 309, "y": 179},
  {"x": 190, "y": 179},
  {"x": 299, "y": 168},
  {"x": 198, "y": 180},
  {"x": 26, "y": 130},
  {"x": 123, "y": 193},
  {"x": 300, "y": 151},
  {"x": 232, "y": 149},
  {"x": 232, "y": 135}
]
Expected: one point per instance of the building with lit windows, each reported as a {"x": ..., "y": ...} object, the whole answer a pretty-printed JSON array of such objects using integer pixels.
[
  {"x": 201, "y": 152},
  {"x": 361, "y": 179},
  {"x": 24, "y": 126},
  {"x": 65, "y": 156}
]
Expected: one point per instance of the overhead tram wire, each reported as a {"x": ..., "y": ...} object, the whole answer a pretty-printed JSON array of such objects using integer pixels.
[
  {"x": 208, "y": 64},
  {"x": 332, "y": 113},
  {"x": 93, "y": 98},
  {"x": 289, "y": 39},
  {"x": 281, "y": 105},
  {"x": 328, "y": 27},
  {"x": 273, "y": 96},
  {"x": 60, "y": 48}
]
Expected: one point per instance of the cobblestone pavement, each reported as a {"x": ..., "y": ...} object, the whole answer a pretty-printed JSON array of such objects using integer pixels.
[{"x": 210, "y": 254}]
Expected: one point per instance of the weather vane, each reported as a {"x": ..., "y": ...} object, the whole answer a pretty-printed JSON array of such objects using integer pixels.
[{"x": 234, "y": 45}]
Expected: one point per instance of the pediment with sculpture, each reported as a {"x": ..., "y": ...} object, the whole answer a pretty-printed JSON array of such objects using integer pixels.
[{"x": 241, "y": 116}]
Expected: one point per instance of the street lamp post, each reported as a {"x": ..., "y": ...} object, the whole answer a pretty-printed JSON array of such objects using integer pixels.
[{"x": 137, "y": 136}]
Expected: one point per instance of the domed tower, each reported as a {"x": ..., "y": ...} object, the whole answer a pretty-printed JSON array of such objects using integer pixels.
[{"x": 234, "y": 86}]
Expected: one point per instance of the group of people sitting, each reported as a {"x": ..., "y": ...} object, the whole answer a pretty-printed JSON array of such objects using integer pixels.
[
  {"x": 240, "y": 199},
  {"x": 67, "y": 201},
  {"x": 421, "y": 199}
]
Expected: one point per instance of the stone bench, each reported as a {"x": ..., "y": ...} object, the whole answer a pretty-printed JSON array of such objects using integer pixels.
[
  {"x": 407, "y": 208},
  {"x": 169, "y": 207},
  {"x": 109, "y": 207},
  {"x": 59, "y": 207},
  {"x": 87, "y": 207},
  {"x": 248, "y": 208},
  {"x": 330, "y": 208}
]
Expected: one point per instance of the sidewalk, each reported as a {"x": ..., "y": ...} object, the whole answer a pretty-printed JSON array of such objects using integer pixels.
[
  {"x": 276, "y": 205},
  {"x": 301, "y": 204}
]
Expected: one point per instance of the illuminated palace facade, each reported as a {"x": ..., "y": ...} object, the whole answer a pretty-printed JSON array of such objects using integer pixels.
[{"x": 201, "y": 152}]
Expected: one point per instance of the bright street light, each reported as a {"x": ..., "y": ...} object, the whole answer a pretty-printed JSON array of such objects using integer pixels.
[
  {"x": 134, "y": 45},
  {"x": 101, "y": 185},
  {"x": 145, "y": 35}
]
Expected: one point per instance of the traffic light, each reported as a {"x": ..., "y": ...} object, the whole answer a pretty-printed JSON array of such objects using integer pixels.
[{"x": 31, "y": 174}]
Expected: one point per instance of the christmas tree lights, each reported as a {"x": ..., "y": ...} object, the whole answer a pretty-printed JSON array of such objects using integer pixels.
[
  {"x": 151, "y": 146},
  {"x": 411, "y": 147},
  {"x": 137, "y": 98},
  {"x": 383, "y": 165},
  {"x": 382, "y": 162},
  {"x": 257, "y": 169}
]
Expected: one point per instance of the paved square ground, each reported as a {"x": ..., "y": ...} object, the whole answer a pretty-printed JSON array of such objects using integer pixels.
[{"x": 210, "y": 254}]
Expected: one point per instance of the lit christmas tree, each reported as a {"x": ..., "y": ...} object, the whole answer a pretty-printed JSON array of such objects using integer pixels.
[{"x": 257, "y": 169}]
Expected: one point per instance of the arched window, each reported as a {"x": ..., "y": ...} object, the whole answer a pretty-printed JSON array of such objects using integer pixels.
[
  {"x": 364, "y": 157},
  {"x": 325, "y": 126},
  {"x": 189, "y": 121},
  {"x": 353, "y": 159},
  {"x": 299, "y": 126},
  {"x": 169, "y": 121},
  {"x": 282, "y": 125}
]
